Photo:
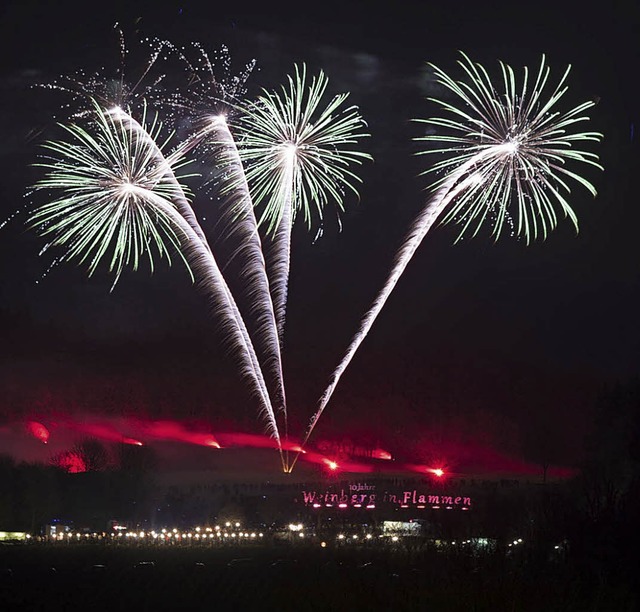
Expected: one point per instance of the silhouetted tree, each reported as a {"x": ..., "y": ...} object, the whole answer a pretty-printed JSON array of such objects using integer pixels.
[
  {"x": 605, "y": 530},
  {"x": 93, "y": 454}
]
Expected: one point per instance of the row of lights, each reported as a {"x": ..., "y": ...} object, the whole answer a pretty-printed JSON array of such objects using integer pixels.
[
  {"x": 298, "y": 528},
  {"x": 341, "y": 536},
  {"x": 175, "y": 534},
  {"x": 189, "y": 535},
  {"x": 216, "y": 532},
  {"x": 199, "y": 533},
  {"x": 197, "y": 529}
]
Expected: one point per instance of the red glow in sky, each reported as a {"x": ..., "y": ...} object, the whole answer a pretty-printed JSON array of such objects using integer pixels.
[
  {"x": 72, "y": 462},
  {"x": 132, "y": 441},
  {"x": 462, "y": 457},
  {"x": 344, "y": 465},
  {"x": 244, "y": 439},
  {"x": 379, "y": 453},
  {"x": 38, "y": 430},
  {"x": 421, "y": 469},
  {"x": 174, "y": 431},
  {"x": 103, "y": 431}
]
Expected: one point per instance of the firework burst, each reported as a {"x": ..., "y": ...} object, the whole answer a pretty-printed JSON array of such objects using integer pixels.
[
  {"x": 119, "y": 194},
  {"x": 504, "y": 154},
  {"x": 112, "y": 196},
  {"x": 201, "y": 99},
  {"x": 521, "y": 146},
  {"x": 298, "y": 155}
]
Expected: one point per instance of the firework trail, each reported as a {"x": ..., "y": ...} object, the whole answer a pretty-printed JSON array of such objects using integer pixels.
[
  {"x": 297, "y": 156},
  {"x": 207, "y": 99},
  {"x": 254, "y": 272},
  {"x": 118, "y": 192},
  {"x": 503, "y": 148},
  {"x": 212, "y": 281},
  {"x": 211, "y": 102}
]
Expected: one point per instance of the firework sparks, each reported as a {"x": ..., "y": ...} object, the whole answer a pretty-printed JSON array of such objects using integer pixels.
[
  {"x": 526, "y": 145},
  {"x": 119, "y": 193},
  {"x": 502, "y": 152},
  {"x": 298, "y": 156},
  {"x": 210, "y": 102},
  {"x": 113, "y": 196},
  {"x": 133, "y": 83},
  {"x": 213, "y": 90}
]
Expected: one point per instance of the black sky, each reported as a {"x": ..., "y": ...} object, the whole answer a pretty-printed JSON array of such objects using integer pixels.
[{"x": 527, "y": 335}]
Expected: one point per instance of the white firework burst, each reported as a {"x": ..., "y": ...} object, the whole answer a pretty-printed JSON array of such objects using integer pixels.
[
  {"x": 503, "y": 154},
  {"x": 512, "y": 148},
  {"x": 113, "y": 198}
]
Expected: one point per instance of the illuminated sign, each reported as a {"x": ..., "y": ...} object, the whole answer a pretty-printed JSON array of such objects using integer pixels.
[{"x": 366, "y": 496}]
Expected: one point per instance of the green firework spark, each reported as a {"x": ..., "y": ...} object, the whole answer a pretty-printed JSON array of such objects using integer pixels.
[
  {"x": 110, "y": 193},
  {"x": 297, "y": 151},
  {"x": 524, "y": 149}
]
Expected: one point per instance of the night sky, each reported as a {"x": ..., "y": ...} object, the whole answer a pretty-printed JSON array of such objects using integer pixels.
[{"x": 500, "y": 344}]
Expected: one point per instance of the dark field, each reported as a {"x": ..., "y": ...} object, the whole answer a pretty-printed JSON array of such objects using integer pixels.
[{"x": 302, "y": 577}]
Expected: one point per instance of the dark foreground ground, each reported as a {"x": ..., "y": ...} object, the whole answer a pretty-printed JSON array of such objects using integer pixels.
[{"x": 300, "y": 578}]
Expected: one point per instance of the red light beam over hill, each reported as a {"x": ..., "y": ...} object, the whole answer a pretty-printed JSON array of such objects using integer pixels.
[
  {"x": 173, "y": 431},
  {"x": 38, "y": 431},
  {"x": 103, "y": 431}
]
